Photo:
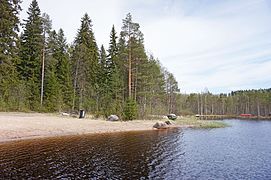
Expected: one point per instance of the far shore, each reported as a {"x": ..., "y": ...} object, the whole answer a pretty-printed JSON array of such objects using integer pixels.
[{"x": 21, "y": 126}]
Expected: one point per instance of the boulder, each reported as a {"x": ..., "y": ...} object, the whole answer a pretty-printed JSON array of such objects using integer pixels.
[
  {"x": 65, "y": 114},
  {"x": 160, "y": 125},
  {"x": 168, "y": 122},
  {"x": 112, "y": 118},
  {"x": 172, "y": 116}
]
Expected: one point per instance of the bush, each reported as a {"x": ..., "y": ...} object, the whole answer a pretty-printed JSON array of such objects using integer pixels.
[{"x": 130, "y": 110}]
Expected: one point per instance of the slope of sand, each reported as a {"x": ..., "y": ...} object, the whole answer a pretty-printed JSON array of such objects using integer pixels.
[{"x": 17, "y": 126}]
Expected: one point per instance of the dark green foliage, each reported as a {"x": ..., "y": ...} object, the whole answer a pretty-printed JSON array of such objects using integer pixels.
[
  {"x": 110, "y": 80},
  {"x": 130, "y": 110},
  {"x": 63, "y": 70},
  {"x": 152, "y": 90},
  {"x": 58, "y": 83},
  {"x": 85, "y": 68},
  {"x": 53, "y": 96},
  {"x": 9, "y": 27},
  {"x": 10, "y": 87},
  {"x": 29, "y": 66}
]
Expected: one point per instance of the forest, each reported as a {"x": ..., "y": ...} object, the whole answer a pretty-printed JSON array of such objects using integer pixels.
[
  {"x": 41, "y": 72},
  {"x": 255, "y": 102}
]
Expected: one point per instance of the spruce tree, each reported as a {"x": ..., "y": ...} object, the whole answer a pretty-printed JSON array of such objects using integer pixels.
[
  {"x": 104, "y": 73},
  {"x": 63, "y": 70},
  {"x": 58, "y": 84},
  {"x": 52, "y": 99},
  {"x": 117, "y": 74},
  {"x": 29, "y": 66},
  {"x": 9, "y": 27},
  {"x": 103, "y": 82},
  {"x": 9, "y": 85},
  {"x": 85, "y": 67}
]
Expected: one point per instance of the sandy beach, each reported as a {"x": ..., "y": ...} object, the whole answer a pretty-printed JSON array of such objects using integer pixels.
[{"x": 19, "y": 126}]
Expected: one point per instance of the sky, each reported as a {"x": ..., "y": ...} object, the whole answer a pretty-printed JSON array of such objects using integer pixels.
[{"x": 219, "y": 45}]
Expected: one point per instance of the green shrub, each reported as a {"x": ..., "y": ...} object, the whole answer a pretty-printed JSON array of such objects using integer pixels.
[{"x": 130, "y": 110}]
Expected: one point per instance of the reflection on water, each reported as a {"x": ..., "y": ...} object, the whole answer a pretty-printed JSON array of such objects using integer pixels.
[
  {"x": 117, "y": 156},
  {"x": 238, "y": 152}
]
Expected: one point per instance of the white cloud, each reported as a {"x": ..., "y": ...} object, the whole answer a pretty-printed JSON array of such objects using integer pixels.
[{"x": 215, "y": 50}]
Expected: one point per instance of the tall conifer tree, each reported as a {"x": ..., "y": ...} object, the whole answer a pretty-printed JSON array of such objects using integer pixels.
[
  {"x": 117, "y": 74},
  {"x": 63, "y": 70},
  {"x": 31, "y": 54},
  {"x": 9, "y": 23},
  {"x": 85, "y": 67},
  {"x": 53, "y": 99}
]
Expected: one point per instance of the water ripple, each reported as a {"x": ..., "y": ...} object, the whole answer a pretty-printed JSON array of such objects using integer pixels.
[{"x": 230, "y": 153}]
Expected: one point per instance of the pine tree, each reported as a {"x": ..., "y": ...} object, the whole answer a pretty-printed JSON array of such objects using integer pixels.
[
  {"x": 126, "y": 35},
  {"x": 31, "y": 54},
  {"x": 151, "y": 88},
  {"x": 171, "y": 90},
  {"x": 85, "y": 67},
  {"x": 46, "y": 27},
  {"x": 9, "y": 85},
  {"x": 133, "y": 53}
]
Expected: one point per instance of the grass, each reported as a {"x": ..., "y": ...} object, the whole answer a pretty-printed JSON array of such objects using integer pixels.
[{"x": 196, "y": 123}]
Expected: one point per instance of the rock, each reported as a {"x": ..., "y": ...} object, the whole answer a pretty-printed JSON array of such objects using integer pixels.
[
  {"x": 65, "y": 114},
  {"x": 168, "y": 122},
  {"x": 160, "y": 125},
  {"x": 172, "y": 116},
  {"x": 112, "y": 118}
]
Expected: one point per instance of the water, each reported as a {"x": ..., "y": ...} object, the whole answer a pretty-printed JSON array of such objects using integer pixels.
[{"x": 242, "y": 151}]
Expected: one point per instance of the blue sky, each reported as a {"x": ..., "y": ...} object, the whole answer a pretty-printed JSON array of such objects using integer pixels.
[{"x": 214, "y": 44}]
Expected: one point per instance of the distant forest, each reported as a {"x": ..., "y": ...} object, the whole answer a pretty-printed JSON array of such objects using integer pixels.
[
  {"x": 40, "y": 71},
  {"x": 255, "y": 102}
]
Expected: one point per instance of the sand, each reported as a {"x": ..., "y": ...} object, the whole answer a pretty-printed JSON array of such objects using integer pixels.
[{"x": 19, "y": 126}]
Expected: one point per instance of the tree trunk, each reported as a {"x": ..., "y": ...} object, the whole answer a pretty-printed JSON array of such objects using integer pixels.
[
  {"x": 198, "y": 103},
  {"x": 42, "y": 71},
  {"x": 129, "y": 64},
  {"x": 75, "y": 84},
  {"x": 258, "y": 108}
]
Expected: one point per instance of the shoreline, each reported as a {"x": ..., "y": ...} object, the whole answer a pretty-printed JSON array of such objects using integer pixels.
[{"x": 18, "y": 126}]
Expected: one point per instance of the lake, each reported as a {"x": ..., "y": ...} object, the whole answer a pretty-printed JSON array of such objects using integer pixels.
[{"x": 242, "y": 151}]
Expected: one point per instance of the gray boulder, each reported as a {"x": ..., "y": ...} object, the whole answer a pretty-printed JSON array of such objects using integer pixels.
[
  {"x": 160, "y": 125},
  {"x": 168, "y": 122},
  {"x": 112, "y": 118},
  {"x": 172, "y": 116}
]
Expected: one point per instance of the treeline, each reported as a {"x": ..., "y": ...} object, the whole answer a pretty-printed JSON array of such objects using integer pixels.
[
  {"x": 255, "y": 102},
  {"x": 40, "y": 71}
]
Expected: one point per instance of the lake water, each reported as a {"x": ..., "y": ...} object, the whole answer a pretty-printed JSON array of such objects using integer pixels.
[{"x": 242, "y": 151}]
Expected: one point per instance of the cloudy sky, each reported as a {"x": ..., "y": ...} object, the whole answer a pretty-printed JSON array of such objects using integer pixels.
[{"x": 222, "y": 45}]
